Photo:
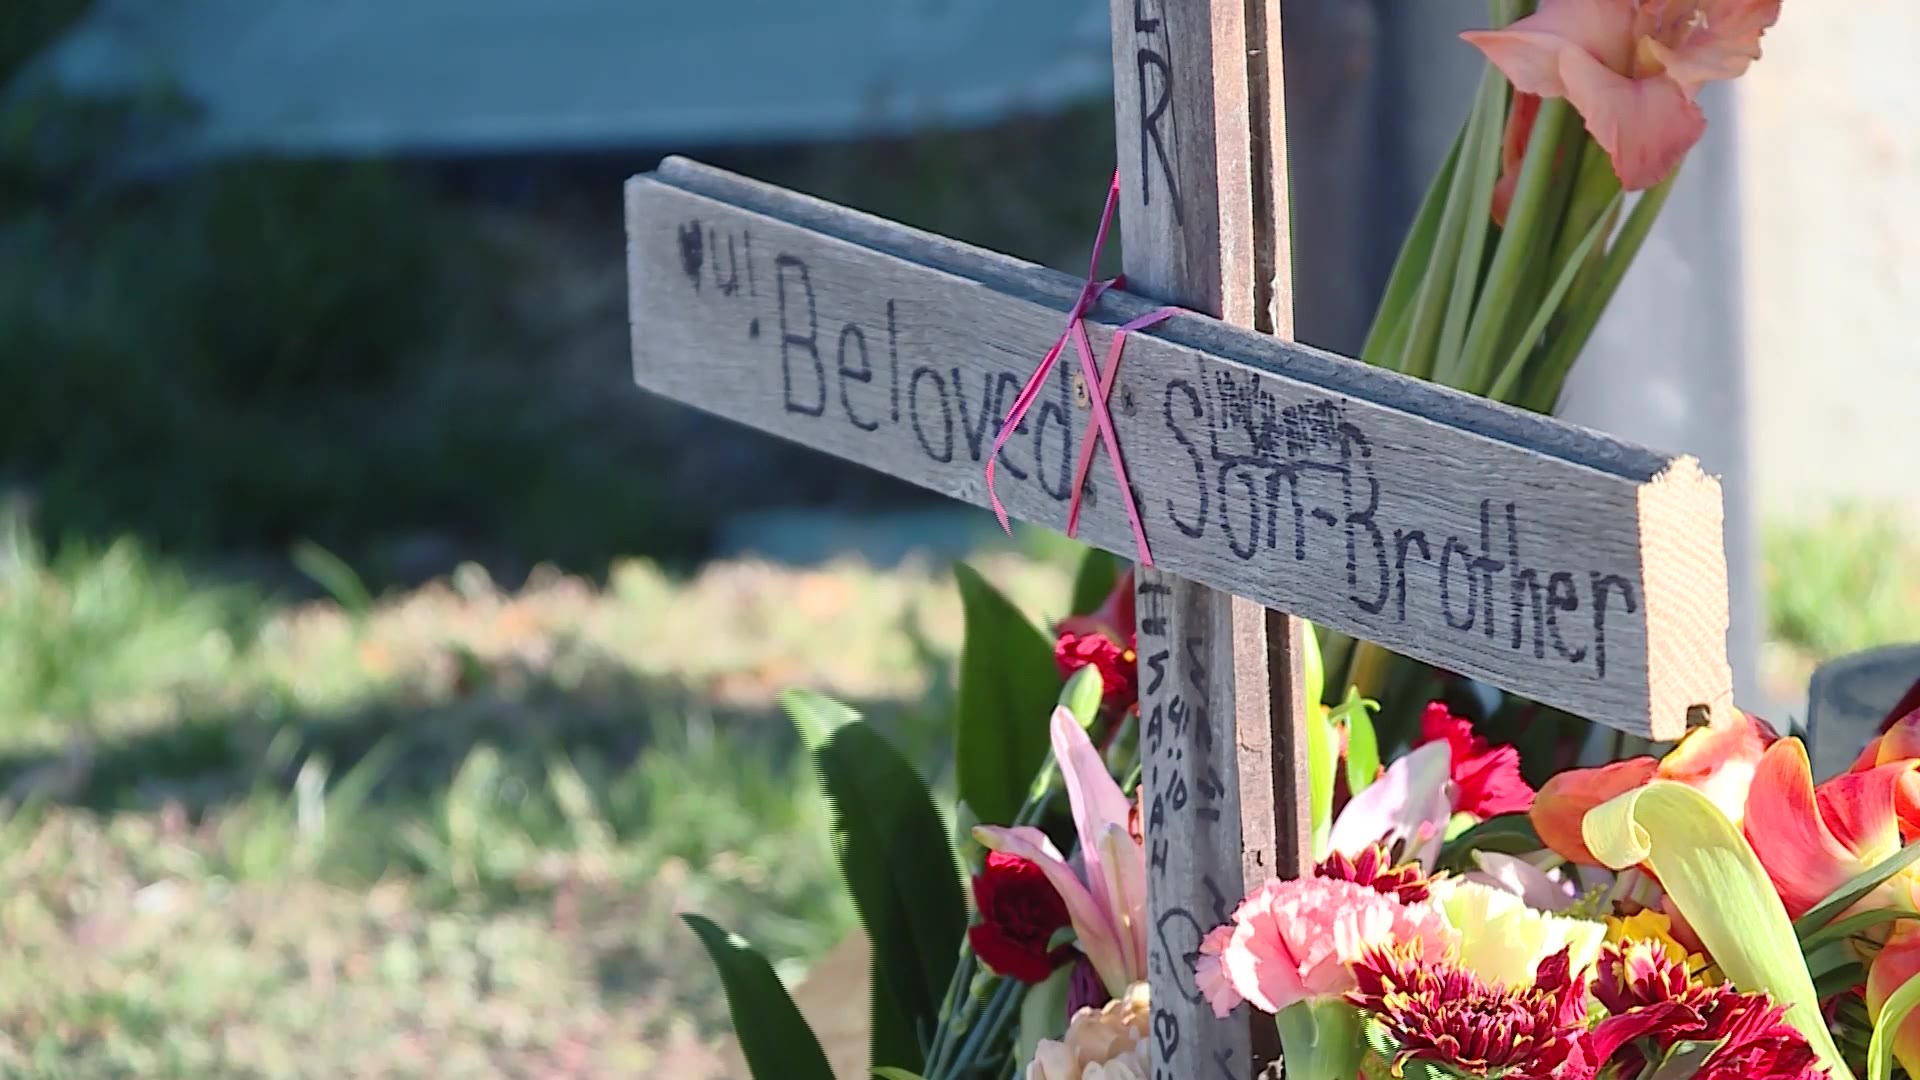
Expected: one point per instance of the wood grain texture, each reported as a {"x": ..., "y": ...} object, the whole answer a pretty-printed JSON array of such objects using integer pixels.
[
  {"x": 1199, "y": 114},
  {"x": 1498, "y": 544}
]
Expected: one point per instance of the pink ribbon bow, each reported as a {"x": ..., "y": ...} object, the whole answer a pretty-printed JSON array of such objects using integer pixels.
[{"x": 1099, "y": 385}]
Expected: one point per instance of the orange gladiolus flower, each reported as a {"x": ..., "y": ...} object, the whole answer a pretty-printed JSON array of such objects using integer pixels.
[
  {"x": 1718, "y": 762},
  {"x": 1631, "y": 68}
]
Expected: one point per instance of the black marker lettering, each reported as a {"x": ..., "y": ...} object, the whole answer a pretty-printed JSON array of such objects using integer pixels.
[
  {"x": 1402, "y": 539},
  {"x": 1005, "y": 382},
  {"x": 1182, "y": 386},
  {"x": 862, "y": 374},
  {"x": 1562, "y": 596},
  {"x": 945, "y": 453},
  {"x": 789, "y": 340},
  {"x": 974, "y": 429},
  {"x": 1446, "y": 578},
  {"x": 1601, "y": 585}
]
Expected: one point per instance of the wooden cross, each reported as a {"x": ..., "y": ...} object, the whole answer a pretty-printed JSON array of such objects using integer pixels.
[{"x": 1273, "y": 478}]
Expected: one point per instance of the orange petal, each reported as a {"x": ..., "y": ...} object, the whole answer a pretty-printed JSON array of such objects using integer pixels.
[
  {"x": 1721, "y": 45},
  {"x": 1530, "y": 51},
  {"x": 1645, "y": 125},
  {"x": 1562, "y": 804},
  {"x": 1801, "y": 854},
  {"x": 1718, "y": 762},
  {"x": 1863, "y": 809},
  {"x": 1530, "y": 60},
  {"x": 1869, "y": 755},
  {"x": 1897, "y": 961},
  {"x": 1901, "y": 741}
]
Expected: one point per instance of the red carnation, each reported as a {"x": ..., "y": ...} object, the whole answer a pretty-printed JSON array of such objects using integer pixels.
[
  {"x": 1104, "y": 639},
  {"x": 1487, "y": 777},
  {"x": 1119, "y": 675},
  {"x": 1019, "y": 913}
]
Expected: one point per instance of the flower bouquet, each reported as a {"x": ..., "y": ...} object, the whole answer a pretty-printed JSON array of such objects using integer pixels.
[{"x": 1711, "y": 912}]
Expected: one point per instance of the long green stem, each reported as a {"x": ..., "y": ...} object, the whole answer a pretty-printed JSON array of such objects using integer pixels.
[
  {"x": 1550, "y": 373},
  {"x": 1517, "y": 241},
  {"x": 1509, "y": 375},
  {"x": 1417, "y": 356},
  {"x": 1486, "y": 128},
  {"x": 1391, "y": 320},
  {"x": 1005, "y": 1001}
]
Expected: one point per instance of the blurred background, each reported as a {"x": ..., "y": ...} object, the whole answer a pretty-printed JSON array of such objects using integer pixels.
[{"x": 375, "y": 682}]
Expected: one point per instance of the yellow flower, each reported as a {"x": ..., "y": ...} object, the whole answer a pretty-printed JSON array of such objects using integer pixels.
[
  {"x": 1105, "y": 1044},
  {"x": 1650, "y": 925},
  {"x": 1502, "y": 940}
]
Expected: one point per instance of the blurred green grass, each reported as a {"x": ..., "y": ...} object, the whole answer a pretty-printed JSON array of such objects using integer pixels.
[{"x": 443, "y": 834}]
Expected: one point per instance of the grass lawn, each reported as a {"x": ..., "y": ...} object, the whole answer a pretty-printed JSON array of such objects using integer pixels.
[{"x": 446, "y": 833}]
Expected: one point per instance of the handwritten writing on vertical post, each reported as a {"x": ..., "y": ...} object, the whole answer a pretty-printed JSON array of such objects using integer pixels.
[
  {"x": 1187, "y": 798},
  {"x": 1159, "y": 122}
]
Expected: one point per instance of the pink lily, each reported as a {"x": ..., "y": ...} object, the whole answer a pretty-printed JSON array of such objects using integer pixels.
[
  {"x": 1108, "y": 906},
  {"x": 1407, "y": 809}
]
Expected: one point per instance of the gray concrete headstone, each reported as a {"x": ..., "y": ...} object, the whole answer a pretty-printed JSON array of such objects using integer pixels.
[{"x": 1848, "y": 698}]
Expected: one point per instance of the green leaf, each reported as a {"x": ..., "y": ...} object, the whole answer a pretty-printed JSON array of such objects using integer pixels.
[
  {"x": 1008, "y": 686},
  {"x": 1507, "y": 834},
  {"x": 1093, "y": 581},
  {"x": 1322, "y": 758},
  {"x": 1363, "y": 743},
  {"x": 1854, "y": 924},
  {"x": 331, "y": 572},
  {"x": 891, "y": 1035},
  {"x": 888, "y": 1072},
  {"x": 1313, "y": 667},
  {"x": 1684, "y": 1059},
  {"x": 1854, "y": 890},
  {"x": 774, "y": 1037},
  {"x": 1839, "y": 980},
  {"x": 894, "y": 853},
  {"x": 1892, "y": 1015},
  {"x": 1718, "y": 883}
]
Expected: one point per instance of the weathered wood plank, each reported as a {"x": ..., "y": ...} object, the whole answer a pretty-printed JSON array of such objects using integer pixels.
[
  {"x": 1533, "y": 554},
  {"x": 1201, "y": 133}
]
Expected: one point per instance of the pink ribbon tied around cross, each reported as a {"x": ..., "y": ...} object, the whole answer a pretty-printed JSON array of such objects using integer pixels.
[{"x": 1099, "y": 385}]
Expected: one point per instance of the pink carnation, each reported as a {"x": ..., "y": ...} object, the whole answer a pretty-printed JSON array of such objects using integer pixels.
[{"x": 1293, "y": 940}]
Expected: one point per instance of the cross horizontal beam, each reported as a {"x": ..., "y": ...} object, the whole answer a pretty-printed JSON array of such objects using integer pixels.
[{"x": 1544, "y": 558}]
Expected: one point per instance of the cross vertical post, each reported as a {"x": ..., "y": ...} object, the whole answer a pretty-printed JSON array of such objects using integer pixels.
[{"x": 1201, "y": 136}]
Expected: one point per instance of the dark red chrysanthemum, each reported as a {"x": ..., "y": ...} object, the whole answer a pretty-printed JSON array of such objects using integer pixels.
[
  {"x": 1488, "y": 777},
  {"x": 1448, "y": 1015},
  {"x": 1651, "y": 999},
  {"x": 1020, "y": 911},
  {"x": 1374, "y": 869}
]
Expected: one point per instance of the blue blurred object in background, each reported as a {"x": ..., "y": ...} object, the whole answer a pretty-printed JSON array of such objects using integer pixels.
[{"x": 483, "y": 76}]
